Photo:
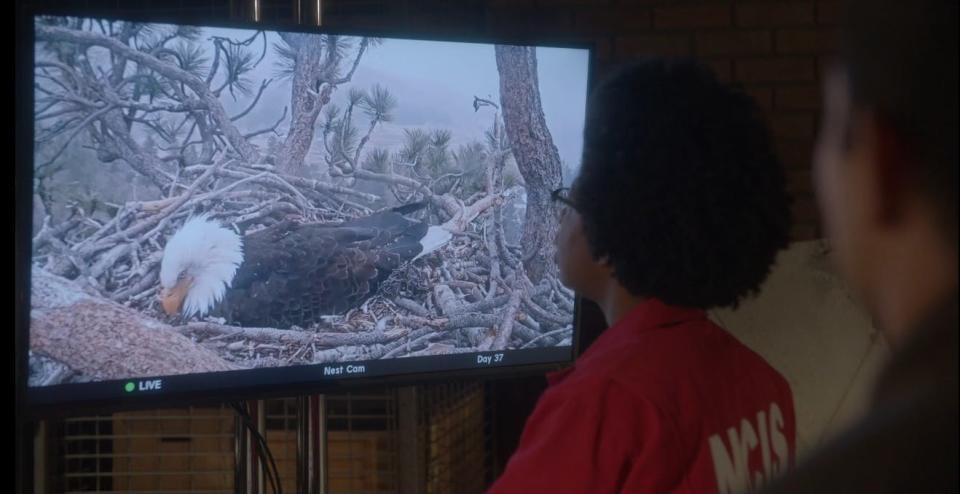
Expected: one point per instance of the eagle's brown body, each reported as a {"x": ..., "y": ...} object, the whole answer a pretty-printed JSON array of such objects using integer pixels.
[{"x": 292, "y": 274}]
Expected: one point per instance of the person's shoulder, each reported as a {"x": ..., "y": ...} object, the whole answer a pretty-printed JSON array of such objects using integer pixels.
[
  {"x": 605, "y": 391},
  {"x": 743, "y": 354}
]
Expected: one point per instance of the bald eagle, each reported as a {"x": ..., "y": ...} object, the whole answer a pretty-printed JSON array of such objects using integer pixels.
[{"x": 288, "y": 274}]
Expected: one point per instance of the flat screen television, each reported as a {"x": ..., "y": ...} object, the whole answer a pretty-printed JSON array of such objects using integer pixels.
[{"x": 227, "y": 211}]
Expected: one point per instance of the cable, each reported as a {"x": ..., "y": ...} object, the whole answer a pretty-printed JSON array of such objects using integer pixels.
[
  {"x": 255, "y": 444},
  {"x": 270, "y": 470},
  {"x": 273, "y": 472}
]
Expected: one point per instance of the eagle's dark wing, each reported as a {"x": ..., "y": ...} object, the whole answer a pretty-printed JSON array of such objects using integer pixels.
[
  {"x": 295, "y": 274},
  {"x": 263, "y": 254},
  {"x": 270, "y": 258}
]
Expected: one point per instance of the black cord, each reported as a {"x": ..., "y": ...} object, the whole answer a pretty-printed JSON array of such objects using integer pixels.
[
  {"x": 255, "y": 444},
  {"x": 270, "y": 469},
  {"x": 273, "y": 472}
]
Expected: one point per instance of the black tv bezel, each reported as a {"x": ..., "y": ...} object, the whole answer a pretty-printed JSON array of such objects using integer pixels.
[{"x": 24, "y": 228}]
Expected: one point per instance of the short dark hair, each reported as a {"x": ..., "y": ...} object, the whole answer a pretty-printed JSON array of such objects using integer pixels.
[
  {"x": 901, "y": 60},
  {"x": 680, "y": 189}
]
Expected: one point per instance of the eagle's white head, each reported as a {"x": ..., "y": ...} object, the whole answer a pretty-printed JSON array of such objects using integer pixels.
[{"x": 199, "y": 263}]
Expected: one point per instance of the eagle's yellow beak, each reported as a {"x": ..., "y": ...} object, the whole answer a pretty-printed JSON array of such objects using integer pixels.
[{"x": 172, "y": 299}]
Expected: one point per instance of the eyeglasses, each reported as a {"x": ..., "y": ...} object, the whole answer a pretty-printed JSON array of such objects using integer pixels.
[{"x": 562, "y": 196}]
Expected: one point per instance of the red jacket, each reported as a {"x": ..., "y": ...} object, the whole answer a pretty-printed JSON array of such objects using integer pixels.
[{"x": 665, "y": 401}]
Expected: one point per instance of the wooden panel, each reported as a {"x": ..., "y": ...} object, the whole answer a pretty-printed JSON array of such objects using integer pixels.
[{"x": 173, "y": 450}]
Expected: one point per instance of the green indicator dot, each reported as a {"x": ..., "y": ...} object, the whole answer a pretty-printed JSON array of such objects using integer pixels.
[{"x": 129, "y": 387}]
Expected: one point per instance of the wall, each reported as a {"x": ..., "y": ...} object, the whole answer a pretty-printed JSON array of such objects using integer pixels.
[{"x": 807, "y": 325}]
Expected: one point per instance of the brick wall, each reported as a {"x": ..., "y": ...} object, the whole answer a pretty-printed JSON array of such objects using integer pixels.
[{"x": 773, "y": 49}]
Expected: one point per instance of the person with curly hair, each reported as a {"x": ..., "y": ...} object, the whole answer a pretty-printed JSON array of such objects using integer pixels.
[{"x": 680, "y": 206}]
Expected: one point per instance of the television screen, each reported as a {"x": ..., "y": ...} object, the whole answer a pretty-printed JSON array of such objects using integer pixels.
[{"x": 220, "y": 209}]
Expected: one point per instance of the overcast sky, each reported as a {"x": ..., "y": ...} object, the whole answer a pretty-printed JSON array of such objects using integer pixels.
[{"x": 434, "y": 83}]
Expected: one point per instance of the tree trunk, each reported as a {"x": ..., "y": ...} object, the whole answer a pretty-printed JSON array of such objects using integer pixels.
[
  {"x": 105, "y": 340},
  {"x": 536, "y": 155},
  {"x": 305, "y": 106}
]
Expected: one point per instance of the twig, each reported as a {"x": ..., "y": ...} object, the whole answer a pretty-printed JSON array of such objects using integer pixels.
[
  {"x": 548, "y": 334},
  {"x": 505, "y": 330},
  {"x": 542, "y": 314},
  {"x": 272, "y": 335},
  {"x": 411, "y": 306}
]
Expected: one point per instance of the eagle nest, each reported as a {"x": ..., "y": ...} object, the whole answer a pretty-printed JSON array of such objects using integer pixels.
[{"x": 473, "y": 294}]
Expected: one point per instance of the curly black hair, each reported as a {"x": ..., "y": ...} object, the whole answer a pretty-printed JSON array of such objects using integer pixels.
[{"x": 680, "y": 188}]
